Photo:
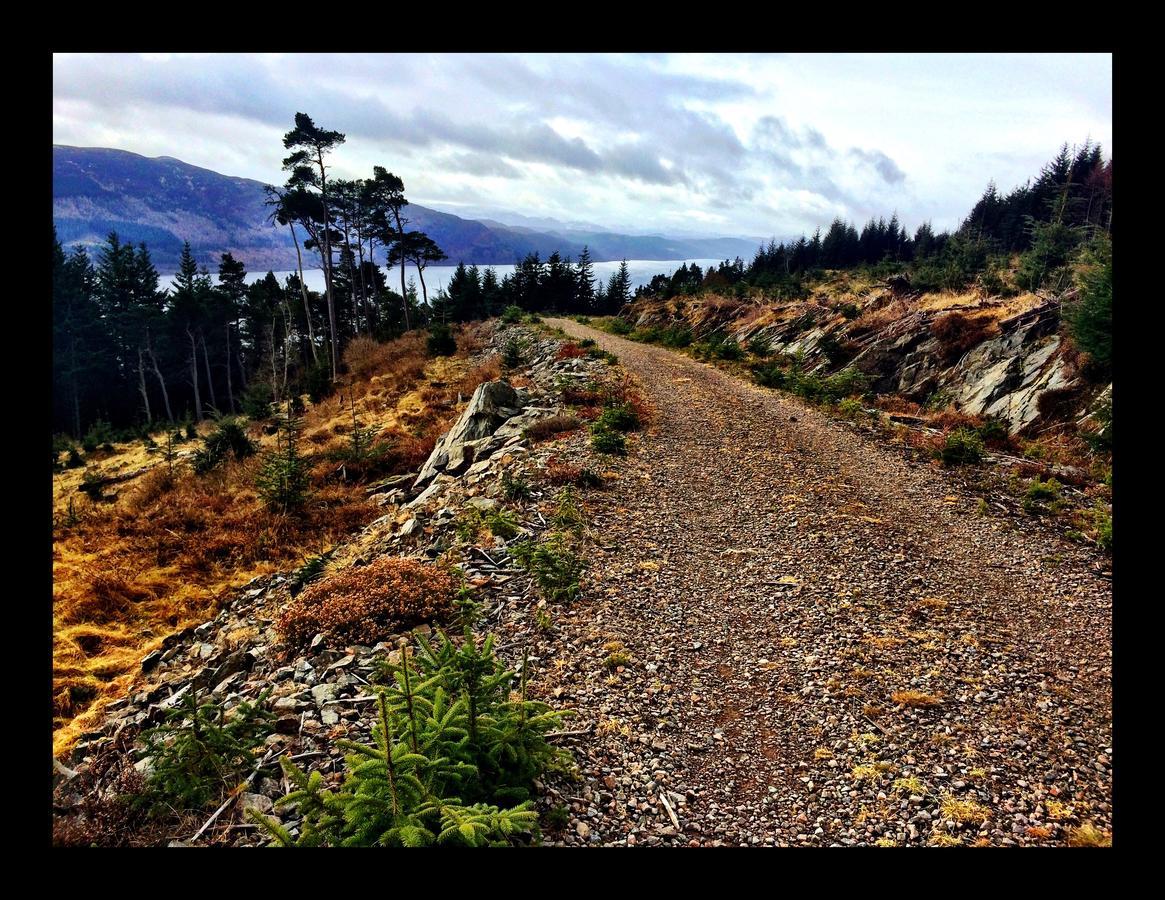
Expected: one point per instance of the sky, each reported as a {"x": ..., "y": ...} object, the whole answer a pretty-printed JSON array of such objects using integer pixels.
[{"x": 733, "y": 144}]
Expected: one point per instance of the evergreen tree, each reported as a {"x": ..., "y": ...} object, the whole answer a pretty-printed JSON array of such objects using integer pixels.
[{"x": 584, "y": 291}]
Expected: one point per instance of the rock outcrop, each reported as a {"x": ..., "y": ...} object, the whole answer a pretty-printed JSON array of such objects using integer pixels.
[{"x": 490, "y": 406}]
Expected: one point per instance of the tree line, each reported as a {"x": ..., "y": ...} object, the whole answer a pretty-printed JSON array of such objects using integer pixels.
[{"x": 1045, "y": 222}]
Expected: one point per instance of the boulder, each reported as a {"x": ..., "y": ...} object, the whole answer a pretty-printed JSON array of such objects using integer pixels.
[{"x": 491, "y": 404}]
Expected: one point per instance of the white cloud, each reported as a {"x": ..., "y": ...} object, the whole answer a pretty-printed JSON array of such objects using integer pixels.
[{"x": 744, "y": 144}]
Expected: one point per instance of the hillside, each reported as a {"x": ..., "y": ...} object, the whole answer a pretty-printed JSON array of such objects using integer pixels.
[{"x": 165, "y": 201}]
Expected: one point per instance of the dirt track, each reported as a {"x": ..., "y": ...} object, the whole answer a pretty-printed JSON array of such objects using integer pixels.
[{"x": 777, "y": 577}]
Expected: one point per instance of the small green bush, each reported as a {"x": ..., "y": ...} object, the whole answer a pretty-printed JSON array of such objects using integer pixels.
[
  {"x": 515, "y": 487},
  {"x": 1102, "y": 522},
  {"x": 229, "y": 439},
  {"x": 512, "y": 315},
  {"x": 456, "y": 741},
  {"x": 200, "y": 751},
  {"x": 605, "y": 355},
  {"x": 1039, "y": 493},
  {"x": 760, "y": 345},
  {"x": 962, "y": 447},
  {"x": 513, "y": 353},
  {"x": 606, "y": 440},
  {"x": 555, "y": 566},
  {"x": 619, "y": 417},
  {"x": 256, "y": 400},
  {"x": 441, "y": 341}
]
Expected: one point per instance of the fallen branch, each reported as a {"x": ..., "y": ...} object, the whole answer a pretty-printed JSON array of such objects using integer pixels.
[
  {"x": 235, "y": 794},
  {"x": 671, "y": 812}
]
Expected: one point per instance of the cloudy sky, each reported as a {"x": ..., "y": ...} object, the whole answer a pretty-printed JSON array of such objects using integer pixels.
[{"x": 714, "y": 144}]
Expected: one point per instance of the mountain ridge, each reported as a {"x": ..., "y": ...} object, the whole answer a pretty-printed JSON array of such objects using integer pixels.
[{"x": 165, "y": 201}]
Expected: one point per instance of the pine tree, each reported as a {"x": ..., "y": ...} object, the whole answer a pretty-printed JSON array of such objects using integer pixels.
[{"x": 283, "y": 481}]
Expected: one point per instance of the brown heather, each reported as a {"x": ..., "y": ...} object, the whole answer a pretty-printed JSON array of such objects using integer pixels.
[{"x": 368, "y": 604}]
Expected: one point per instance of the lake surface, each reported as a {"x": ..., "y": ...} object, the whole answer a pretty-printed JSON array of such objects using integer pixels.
[{"x": 437, "y": 277}]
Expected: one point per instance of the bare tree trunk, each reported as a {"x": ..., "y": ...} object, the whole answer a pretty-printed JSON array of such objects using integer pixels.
[
  {"x": 351, "y": 277},
  {"x": 328, "y": 261},
  {"x": 403, "y": 295},
  {"x": 311, "y": 335},
  {"x": 363, "y": 289},
  {"x": 194, "y": 375},
  {"x": 421, "y": 272},
  {"x": 286, "y": 342},
  {"x": 209, "y": 377},
  {"x": 142, "y": 385},
  {"x": 275, "y": 396},
  {"x": 158, "y": 375},
  {"x": 375, "y": 281},
  {"x": 230, "y": 386}
]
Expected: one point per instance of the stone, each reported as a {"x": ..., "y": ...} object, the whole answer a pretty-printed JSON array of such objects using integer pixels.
[
  {"x": 322, "y": 693},
  {"x": 258, "y": 802},
  {"x": 491, "y": 404}
]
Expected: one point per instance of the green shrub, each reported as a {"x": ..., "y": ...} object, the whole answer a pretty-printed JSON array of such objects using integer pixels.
[
  {"x": 513, "y": 352},
  {"x": 512, "y": 315},
  {"x": 199, "y": 751},
  {"x": 456, "y": 741},
  {"x": 74, "y": 461},
  {"x": 586, "y": 343},
  {"x": 100, "y": 432},
  {"x": 619, "y": 417},
  {"x": 850, "y": 310},
  {"x": 677, "y": 336},
  {"x": 851, "y": 408},
  {"x": 256, "y": 400},
  {"x": 760, "y": 345},
  {"x": 605, "y": 440},
  {"x": 615, "y": 325},
  {"x": 649, "y": 334},
  {"x": 283, "y": 481},
  {"x": 441, "y": 341},
  {"x": 499, "y": 522},
  {"x": 605, "y": 355},
  {"x": 515, "y": 487},
  {"x": 1039, "y": 493},
  {"x": 1102, "y": 522},
  {"x": 555, "y": 566},
  {"x": 994, "y": 431},
  {"x": 962, "y": 447},
  {"x": 229, "y": 439}
]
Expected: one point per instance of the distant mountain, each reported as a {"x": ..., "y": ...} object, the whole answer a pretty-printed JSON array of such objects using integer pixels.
[{"x": 164, "y": 201}]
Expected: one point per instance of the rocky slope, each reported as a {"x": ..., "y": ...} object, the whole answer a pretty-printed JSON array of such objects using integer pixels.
[{"x": 988, "y": 356}]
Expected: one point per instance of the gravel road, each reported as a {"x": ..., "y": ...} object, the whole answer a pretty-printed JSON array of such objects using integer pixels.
[{"x": 779, "y": 580}]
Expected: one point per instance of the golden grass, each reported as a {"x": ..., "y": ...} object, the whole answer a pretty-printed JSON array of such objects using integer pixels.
[
  {"x": 160, "y": 557},
  {"x": 965, "y": 812},
  {"x": 1088, "y": 835},
  {"x": 917, "y": 699}
]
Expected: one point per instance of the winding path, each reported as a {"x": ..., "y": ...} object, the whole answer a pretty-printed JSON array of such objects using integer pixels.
[{"x": 777, "y": 578}]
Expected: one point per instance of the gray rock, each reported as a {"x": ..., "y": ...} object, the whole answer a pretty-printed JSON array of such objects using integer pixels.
[{"x": 491, "y": 404}]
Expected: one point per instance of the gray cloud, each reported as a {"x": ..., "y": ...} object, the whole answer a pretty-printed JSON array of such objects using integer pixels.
[
  {"x": 881, "y": 163},
  {"x": 746, "y": 141}
]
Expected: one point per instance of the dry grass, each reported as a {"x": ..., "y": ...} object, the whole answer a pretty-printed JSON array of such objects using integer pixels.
[
  {"x": 965, "y": 812},
  {"x": 917, "y": 699},
  {"x": 1088, "y": 835},
  {"x": 164, "y": 553}
]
